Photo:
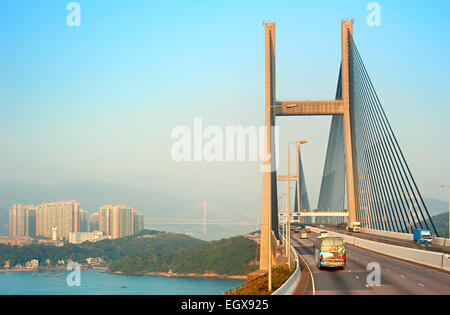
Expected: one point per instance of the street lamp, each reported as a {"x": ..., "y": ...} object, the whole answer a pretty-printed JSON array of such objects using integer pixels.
[
  {"x": 288, "y": 244},
  {"x": 448, "y": 187}
]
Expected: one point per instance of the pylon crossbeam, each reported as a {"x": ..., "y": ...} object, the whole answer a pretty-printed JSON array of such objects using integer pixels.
[
  {"x": 285, "y": 178},
  {"x": 317, "y": 214},
  {"x": 309, "y": 108}
]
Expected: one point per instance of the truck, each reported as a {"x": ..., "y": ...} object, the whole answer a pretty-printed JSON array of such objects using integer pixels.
[
  {"x": 356, "y": 227},
  {"x": 423, "y": 237}
]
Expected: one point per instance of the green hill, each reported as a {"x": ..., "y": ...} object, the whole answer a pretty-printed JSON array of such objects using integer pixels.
[
  {"x": 441, "y": 223},
  {"x": 234, "y": 256},
  {"x": 149, "y": 251},
  {"x": 110, "y": 250}
]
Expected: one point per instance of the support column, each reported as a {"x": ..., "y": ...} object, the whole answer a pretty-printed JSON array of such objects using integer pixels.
[
  {"x": 349, "y": 123},
  {"x": 269, "y": 216}
]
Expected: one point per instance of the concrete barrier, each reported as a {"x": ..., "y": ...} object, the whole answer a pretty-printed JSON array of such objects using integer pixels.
[
  {"x": 445, "y": 242},
  {"x": 446, "y": 262},
  {"x": 402, "y": 236},
  {"x": 439, "y": 241},
  {"x": 428, "y": 258}
]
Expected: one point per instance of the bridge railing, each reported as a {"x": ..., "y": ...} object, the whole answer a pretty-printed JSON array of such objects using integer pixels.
[
  {"x": 291, "y": 284},
  {"x": 439, "y": 241},
  {"x": 293, "y": 256}
]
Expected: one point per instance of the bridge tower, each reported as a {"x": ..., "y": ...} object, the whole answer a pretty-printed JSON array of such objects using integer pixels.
[
  {"x": 343, "y": 105},
  {"x": 269, "y": 216},
  {"x": 349, "y": 122}
]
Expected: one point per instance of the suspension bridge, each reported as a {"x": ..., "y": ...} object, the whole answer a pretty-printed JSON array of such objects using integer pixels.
[
  {"x": 366, "y": 177},
  {"x": 204, "y": 214}
]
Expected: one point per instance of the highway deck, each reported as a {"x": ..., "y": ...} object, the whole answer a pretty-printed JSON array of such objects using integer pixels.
[{"x": 397, "y": 277}]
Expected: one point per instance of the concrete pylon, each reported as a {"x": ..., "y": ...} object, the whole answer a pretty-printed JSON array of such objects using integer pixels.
[
  {"x": 349, "y": 123},
  {"x": 269, "y": 218}
]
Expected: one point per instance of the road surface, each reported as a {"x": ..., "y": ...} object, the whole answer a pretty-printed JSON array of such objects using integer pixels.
[{"x": 397, "y": 277}]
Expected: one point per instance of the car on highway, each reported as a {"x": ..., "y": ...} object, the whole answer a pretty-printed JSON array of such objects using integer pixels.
[
  {"x": 296, "y": 231},
  {"x": 330, "y": 251},
  {"x": 323, "y": 233},
  {"x": 308, "y": 230},
  {"x": 304, "y": 235}
]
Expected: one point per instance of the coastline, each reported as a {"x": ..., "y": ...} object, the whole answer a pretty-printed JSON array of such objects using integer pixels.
[
  {"x": 18, "y": 270},
  {"x": 43, "y": 269},
  {"x": 179, "y": 275},
  {"x": 159, "y": 274}
]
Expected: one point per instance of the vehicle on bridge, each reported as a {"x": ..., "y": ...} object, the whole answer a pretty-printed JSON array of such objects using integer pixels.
[
  {"x": 323, "y": 233},
  {"x": 330, "y": 251},
  {"x": 304, "y": 235},
  {"x": 423, "y": 237},
  {"x": 356, "y": 227}
]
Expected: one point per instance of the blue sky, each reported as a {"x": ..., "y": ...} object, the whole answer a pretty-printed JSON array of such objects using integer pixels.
[{"x": 99, "y": 101}]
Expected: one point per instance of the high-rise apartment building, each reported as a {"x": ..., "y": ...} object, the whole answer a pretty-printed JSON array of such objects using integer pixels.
[
  {"x": 138, "y": 222},
  {"x": 65, "y": 215},
  {"x": 59, "y": 219},
  {"x": 84, "y": 221},
  {"x": 94, "y": 224},
  {"x": 122, "y": 221},
  {"x": 119, "y": 221},
  {"x": 105, "y": 215},
  {"x": 22, "y": 220}
]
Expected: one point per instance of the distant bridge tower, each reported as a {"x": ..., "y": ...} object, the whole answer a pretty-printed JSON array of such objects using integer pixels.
[{"x": 204, "y": 220}]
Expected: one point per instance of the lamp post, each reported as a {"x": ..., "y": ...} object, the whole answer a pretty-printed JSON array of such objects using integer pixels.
[
  {"x": 448, "y": 187},
  {"x": 299, "y": 143}
]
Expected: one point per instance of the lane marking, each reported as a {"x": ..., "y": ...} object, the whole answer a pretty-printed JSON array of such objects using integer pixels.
[{"x": 310, "y": 273}]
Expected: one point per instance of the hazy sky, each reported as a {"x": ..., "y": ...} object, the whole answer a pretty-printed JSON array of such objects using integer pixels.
[{"x": 99, "y": 101}]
